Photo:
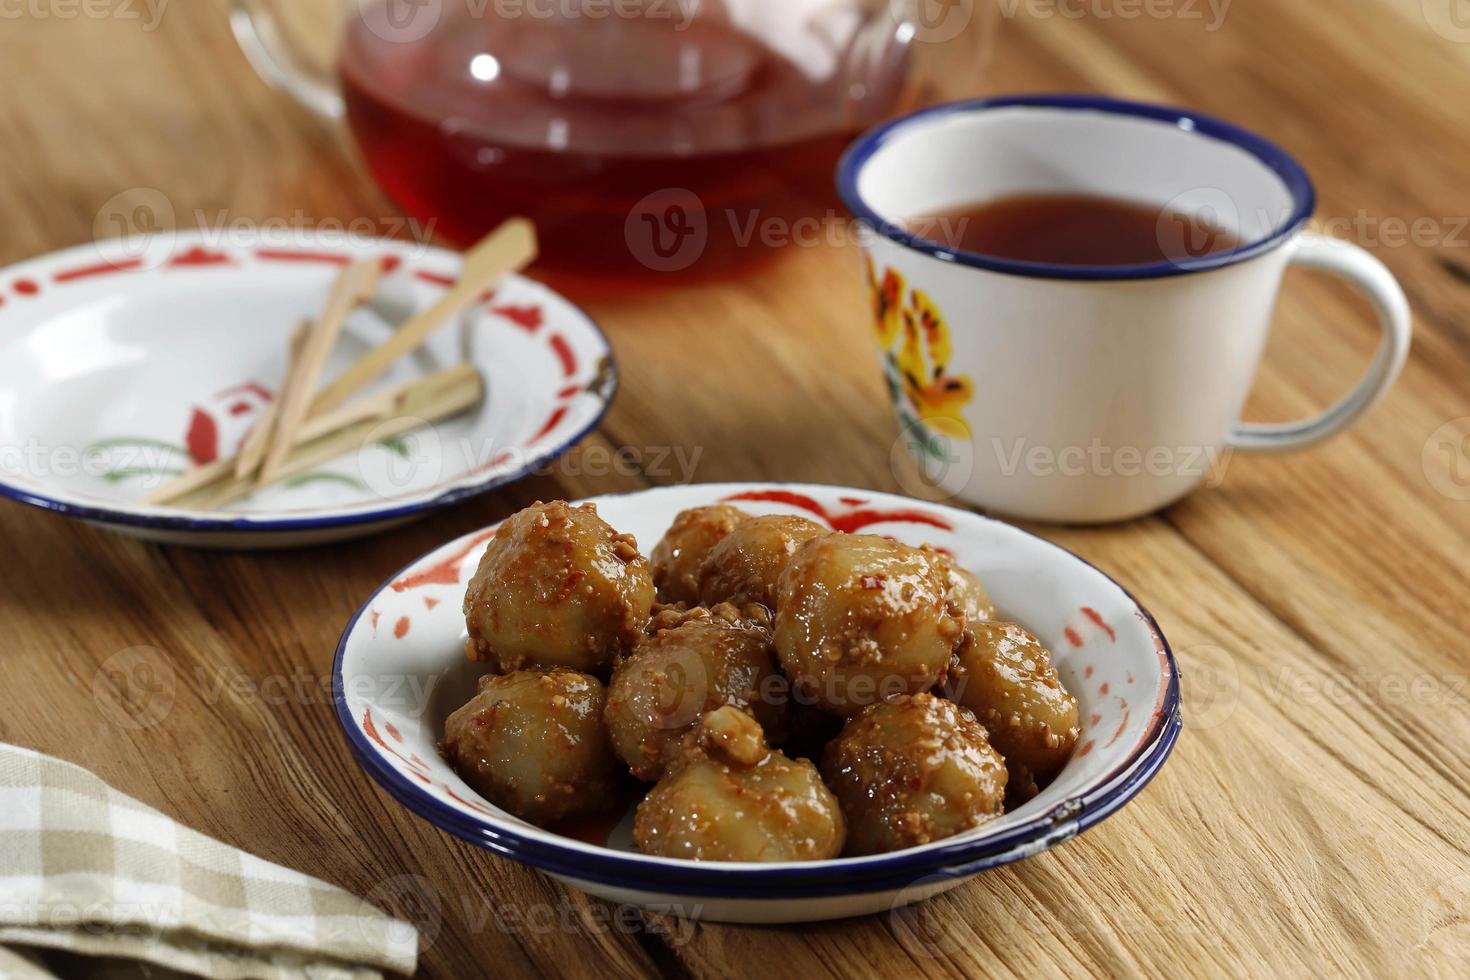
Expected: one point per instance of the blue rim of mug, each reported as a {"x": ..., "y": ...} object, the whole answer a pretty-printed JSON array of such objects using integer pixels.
[
  {"x": 902, "y": 869},
  {"x": 1277, "y": 160}
]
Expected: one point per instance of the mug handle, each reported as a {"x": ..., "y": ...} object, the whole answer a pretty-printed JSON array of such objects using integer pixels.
[
  {"x": 1349, "y": 262},
  {"x": 280, "y": 62}
]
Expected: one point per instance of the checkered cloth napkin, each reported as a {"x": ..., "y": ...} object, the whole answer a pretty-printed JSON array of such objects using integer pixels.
[{"x": 87, "y": 870}]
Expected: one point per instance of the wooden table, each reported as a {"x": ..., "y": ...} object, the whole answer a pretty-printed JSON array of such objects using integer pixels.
[{"x": 1314, "y": 816}]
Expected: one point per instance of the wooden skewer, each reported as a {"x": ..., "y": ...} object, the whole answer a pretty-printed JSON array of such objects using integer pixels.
[
  {"x": 374, "y": 407},
  {"x": 199, "y": 476},
  {"x": 256, "y": 441},
  {"x": 506, "y": 249},
  {"x": 247, "y": 461},
  {"x": 353, "y": 287},
  {"x": 295, "y": 419},
  {"x": 430, "y": 400},
  {"x": 382, "y": 404}
]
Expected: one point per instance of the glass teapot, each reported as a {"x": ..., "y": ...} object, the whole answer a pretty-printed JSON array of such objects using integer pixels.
[{"x": 641, "y": 136}]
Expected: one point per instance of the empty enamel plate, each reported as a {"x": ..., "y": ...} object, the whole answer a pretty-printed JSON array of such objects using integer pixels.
[{"x": 125, "y": 363}]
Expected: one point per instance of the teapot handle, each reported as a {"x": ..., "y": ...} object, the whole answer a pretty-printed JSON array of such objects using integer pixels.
[{"x": 279, "y": 61}]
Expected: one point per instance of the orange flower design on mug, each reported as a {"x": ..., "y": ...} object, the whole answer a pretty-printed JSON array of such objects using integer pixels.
[
  {"x": 921, "y": 361},
  {"x": 885, "y": 297}
]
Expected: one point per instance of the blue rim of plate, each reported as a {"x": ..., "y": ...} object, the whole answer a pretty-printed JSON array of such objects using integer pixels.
[
  {"x": 899, "y": 870},
  {"x": 245, "y": 522},
  {"x": 1276, "y": 159}
]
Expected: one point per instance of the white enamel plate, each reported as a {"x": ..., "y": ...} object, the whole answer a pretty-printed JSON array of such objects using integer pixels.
[
  {"x": 121, "y": 367},
  {"x": 401, "y": 670}
]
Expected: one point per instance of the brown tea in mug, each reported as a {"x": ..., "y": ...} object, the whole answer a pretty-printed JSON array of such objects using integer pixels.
[{"x": 1075, "y": 229}]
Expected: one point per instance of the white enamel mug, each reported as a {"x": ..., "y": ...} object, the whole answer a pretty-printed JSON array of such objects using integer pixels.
[{"x": 1091, "y": 393}]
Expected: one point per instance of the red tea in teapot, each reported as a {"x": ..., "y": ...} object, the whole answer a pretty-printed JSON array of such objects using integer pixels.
[{"x": 636, "y": 143}]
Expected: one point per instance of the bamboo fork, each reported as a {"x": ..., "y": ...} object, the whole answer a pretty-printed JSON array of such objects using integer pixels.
[
  {"x": 259, "y": 436},
  {"x": 505, "y": 250},
  {"x": 297, "y": 431},
  {"x": 352, "y": 288},
  {"x": 373, "y": 408},
  {"x": 412, "y": 406}
]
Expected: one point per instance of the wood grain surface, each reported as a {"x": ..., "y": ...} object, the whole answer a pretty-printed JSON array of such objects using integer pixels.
[{"x": 1315, "y": 817}]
